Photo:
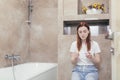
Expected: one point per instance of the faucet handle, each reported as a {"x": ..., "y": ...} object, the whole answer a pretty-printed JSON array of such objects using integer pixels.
[
  {"x": 16, "y": 57},
  {"x": 6, "y": 56}
]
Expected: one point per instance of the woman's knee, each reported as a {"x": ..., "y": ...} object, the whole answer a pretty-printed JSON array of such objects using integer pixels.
[
  {"x": 75, "y": 76},
  {"x": 92, "y": 76}
]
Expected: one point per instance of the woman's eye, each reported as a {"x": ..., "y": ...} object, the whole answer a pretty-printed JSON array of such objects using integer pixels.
[
  {"x": 84, "y": 31},
  {"x": 80, "y": 32}
]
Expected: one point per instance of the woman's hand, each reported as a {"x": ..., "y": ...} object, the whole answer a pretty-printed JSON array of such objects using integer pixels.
[
  {"x": 95, "y": 59},
  {"x": 74, "y": 58},
  {"x": 88, "y": 55}
]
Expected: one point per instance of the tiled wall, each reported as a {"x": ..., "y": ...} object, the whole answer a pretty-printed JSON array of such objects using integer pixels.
[
  {"x": 13, "y": 29},
  {"x": 38, "y": 43},
  {"x": 44, "y": 31}
]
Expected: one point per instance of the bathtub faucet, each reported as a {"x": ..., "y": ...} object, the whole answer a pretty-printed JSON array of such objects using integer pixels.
[{"x": 12, "y": 57}]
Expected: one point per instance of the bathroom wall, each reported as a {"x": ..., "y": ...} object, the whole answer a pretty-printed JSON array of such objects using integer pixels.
[
  {"x": 38, "y": 43},
  {"x": 115, "y": 25},
  {"x": 116, "y": 57},
  {"x": 13, "y": 29},
  {"x": 44, "y": 31}
]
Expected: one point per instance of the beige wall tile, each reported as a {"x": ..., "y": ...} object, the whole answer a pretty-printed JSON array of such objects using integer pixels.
[{"x": 38, "y": 43}]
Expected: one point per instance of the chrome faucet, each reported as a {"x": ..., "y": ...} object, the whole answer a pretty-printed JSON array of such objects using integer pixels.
[
  {"x": 112, "y": 50},
  {"x": 12, "y": 57},
  {"x": 109, "y": 34}
]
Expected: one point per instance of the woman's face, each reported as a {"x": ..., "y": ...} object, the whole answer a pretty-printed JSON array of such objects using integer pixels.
[{"x": 83, "y": 32}]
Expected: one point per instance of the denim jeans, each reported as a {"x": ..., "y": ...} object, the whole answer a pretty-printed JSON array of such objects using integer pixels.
[{"x": 85, "y": 72}]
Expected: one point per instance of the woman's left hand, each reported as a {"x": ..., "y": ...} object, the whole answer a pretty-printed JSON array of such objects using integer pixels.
[{"x": 88, "y": 55}]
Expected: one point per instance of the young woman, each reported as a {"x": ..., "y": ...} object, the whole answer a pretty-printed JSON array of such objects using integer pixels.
[{"x": 85, "y": 55}]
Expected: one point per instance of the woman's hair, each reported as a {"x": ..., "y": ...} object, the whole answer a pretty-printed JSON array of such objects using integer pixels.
[{"x": 79, "y": 40}]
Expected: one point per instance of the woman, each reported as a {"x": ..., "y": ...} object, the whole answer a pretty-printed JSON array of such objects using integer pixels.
[{"x": 85, "y": 55}]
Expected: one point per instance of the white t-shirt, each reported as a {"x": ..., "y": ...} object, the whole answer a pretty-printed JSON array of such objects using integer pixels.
[{"x": 83, "y": 60}]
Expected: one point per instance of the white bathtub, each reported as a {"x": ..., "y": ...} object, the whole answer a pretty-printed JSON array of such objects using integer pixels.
[{"x": 30, "y": 71}]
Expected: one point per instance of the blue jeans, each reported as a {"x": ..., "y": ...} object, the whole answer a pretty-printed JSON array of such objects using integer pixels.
[{"x": 85, "y": 72}]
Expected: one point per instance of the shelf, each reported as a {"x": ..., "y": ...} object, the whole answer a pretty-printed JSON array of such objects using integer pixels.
[
  {"x": 71, "y": 14},
  {"x": 96, "y": 26},
  {"x": 86, "y": 17}
]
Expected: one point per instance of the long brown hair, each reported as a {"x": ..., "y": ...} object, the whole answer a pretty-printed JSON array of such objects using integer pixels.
[{"x": 79, "y": 40}]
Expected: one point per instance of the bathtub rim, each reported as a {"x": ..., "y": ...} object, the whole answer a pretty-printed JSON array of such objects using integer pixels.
[{"x": 26, "y": 63}]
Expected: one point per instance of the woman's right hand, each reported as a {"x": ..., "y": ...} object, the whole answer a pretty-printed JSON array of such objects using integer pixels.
[{"x": 74, "y": 58}]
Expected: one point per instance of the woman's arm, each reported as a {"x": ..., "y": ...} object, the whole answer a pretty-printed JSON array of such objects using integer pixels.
[
  {"x": 74, "y": 58},
  {"x": 96, "y": 59}
]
